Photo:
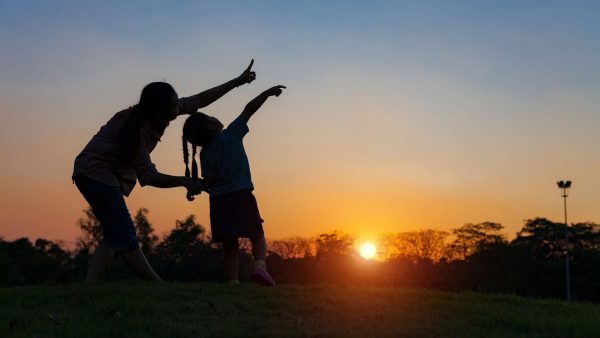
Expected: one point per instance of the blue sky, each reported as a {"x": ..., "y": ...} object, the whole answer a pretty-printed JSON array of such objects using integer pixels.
[{"x": 413, "y": 114}]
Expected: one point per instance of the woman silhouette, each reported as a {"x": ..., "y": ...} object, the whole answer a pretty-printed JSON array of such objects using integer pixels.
[{"x": 119, "y": 155}]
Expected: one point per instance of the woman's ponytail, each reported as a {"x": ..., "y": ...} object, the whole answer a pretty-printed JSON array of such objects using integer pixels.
[{"x": 129, "y": 136}]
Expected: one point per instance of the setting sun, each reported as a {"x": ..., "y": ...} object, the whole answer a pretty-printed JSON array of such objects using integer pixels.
[{"x": 368, "y": 250}]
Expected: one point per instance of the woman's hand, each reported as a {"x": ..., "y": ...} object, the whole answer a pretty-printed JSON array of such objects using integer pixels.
[
  {"x": 193, "y": 189},
  {"x": 247, "y": 76},
  {"x": 189, "y": 105}
]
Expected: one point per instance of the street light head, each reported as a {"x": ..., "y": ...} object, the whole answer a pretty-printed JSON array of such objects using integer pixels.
[
  {"x": 560, "y": 184},
  {"x": 567, "y": 184}
]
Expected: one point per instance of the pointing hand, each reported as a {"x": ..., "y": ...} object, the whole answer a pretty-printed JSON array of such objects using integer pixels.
[
  {"x": 247, "y": 76},
  {"x": 275, "y": 91}
]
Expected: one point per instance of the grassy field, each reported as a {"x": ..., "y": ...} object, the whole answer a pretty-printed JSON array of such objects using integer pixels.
[{"x": 203, "y": 310}]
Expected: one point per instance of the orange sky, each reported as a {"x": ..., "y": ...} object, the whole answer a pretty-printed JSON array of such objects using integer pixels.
[{"x": 397, "y": 117}]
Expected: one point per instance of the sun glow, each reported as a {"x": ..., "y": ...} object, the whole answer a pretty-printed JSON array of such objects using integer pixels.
[{"x": 368, "y": 250}]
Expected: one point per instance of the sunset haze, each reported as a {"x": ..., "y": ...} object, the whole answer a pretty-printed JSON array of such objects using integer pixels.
[{"x": 398, "y": 115}]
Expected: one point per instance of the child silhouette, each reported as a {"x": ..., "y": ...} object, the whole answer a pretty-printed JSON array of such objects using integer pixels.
[{"x": 226, "y": 177}]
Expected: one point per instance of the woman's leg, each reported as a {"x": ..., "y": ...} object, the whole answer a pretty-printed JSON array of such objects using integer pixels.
[
  {"x": 100, "y": 260},
  {"x": 118, "y": 229},
  {"x": 135, "y": 260},
  {"x": 139, "y": 264},
  {"x": 230, "y": 258}
]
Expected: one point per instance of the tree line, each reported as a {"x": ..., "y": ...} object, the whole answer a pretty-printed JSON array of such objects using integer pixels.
[{"x": 474, "y": 257}]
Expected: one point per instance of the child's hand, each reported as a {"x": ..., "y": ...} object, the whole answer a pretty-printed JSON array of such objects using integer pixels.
[
  {"x": 275, "y": 91},
  {"x": 193, "y": 189},
  {"x": 247, "y": 76},
  {"x": 258, "y": 101}
]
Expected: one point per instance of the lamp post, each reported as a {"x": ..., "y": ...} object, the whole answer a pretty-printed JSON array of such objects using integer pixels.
[{"x": 565, "y": 185}]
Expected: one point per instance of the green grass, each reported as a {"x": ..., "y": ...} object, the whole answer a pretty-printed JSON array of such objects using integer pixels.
[{"x": 201, "y": 310}]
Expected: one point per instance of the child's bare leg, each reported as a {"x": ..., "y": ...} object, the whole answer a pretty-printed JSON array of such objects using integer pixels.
[
  {"x": 230, "y": 258},
  {"x": 259, "y": 251},
  {"x": 139, "y": 264},
  {"x": 100, "y": 260},
  {"x": 259, "y": 248}
]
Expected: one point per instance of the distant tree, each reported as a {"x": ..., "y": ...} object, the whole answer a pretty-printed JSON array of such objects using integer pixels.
[
  {"x": 471, "y": 238},
  {"x": 53, "y": 250},
  {"x": 584, "y": 237},
  {"x": 542, "y": 248},
  {"x": 183, "y": 239},
  {"x": 335, "y": 258},
  {"x": 8, "y": 265},
  {"x": 144, "y": 231},
  {"x": 185, "y": 255},
  {"x": 334, "y": 244},
  {"x": 27, "y": 263},
  {"x": 584, "y": 252},
  {"x": 91, "y": 231},
  {"x": 417, "y": 245},
  {"x": 542, "y": 239},
  {"x": 54, "y": 259},
  {"x": 293, "y": 247}
]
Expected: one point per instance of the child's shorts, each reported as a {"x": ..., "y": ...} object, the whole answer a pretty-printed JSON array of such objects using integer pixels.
[
  {"x": 109, "y": 207},
  {"x": 235, "y": 215}
]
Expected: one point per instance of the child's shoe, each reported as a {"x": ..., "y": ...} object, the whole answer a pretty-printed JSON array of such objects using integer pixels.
[{"x": 262, "y": 277}]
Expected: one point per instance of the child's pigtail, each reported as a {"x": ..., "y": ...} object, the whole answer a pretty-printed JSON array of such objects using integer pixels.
[
  {"x": 194, "y": 165},
  {"x": 185, "y": 157}
]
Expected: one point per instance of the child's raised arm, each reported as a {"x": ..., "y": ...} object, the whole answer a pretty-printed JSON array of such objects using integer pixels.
[{"x": 258, "y": 101}]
